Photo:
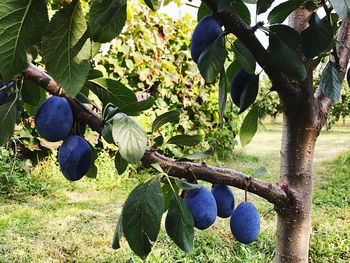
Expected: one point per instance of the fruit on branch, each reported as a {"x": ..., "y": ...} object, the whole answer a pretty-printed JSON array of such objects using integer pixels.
[
  {"x": 202, "y": 205},
  {"x": 225, "y": 200},
  {"x": 245, "y": 223},
  {"x": 54, "y": 119},
  {"x": 75, "y": 157},
  {"x": 238, "y": 84},
  {"x": 206, "y": 31},
  {"x": 3, "y": 96}
]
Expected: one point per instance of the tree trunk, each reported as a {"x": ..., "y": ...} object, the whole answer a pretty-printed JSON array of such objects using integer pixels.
[{"x": 297, "y": 150}]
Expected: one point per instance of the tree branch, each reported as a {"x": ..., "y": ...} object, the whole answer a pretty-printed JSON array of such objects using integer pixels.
[
  {"x": 272, "y": 193},
  {"x": 188, "y": 170},
  {"x": 289, "y": 92}
]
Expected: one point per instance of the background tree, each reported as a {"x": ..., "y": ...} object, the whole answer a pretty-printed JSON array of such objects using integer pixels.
[{"x": 68, "y": 42}]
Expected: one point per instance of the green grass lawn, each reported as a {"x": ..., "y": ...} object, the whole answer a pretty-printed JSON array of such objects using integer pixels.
[{"x": 44, "y": 218}]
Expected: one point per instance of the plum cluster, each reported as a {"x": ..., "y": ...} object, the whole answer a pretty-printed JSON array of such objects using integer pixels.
[
  {"x": 206, "y": 205},
  {"x": 54, "y": 121}
]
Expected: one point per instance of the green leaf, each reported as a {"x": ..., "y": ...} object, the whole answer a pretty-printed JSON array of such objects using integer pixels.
[
  {"x": 317, "y": 37},
  {"x": 182, "y": 184},
  {"x": 179, "y": 224},
  {"x": 185, "y": 140},
  {"x": 168, "y": 193},
  {"x": 231, "y": 71},
  {"x": 22, "y": 24},
  {"x": 158, "y": 141},
  {"x": 222, "y": 94},
  {"x": 203, "y": 11},
  {"x": 170, "y": 116},
  {"x": 197, "y": 156},
  {"x": 244, "y": 57},
  {"x": 249, "y": 126},
  {"x": 263, "y": 6},
  {"x": 286, "y": 59},
  {"x": 330, "y": 82},
  {"x": 153, "y": 4},
  {"x": 32, "y": 93},
  {"x": 212, "y": 59},
  {"x": 130, "y": 138},
  {"x": 241, "y": 10},
  {"x": 282, "y": 11},
  {"x": 135, "y": 108},
  {"x": 142, "y": 214},
  {"x": 287, "y": 35},
  {"x": 92, "y": 173},
  {"x": 249, "y": 94},
  {"x": 120, "y": 164},
  {"x": 8, "y": 114},
  {"x": 67, "y": 49},
  {"x": 118, "y": 233},
  {"x": 107, "y": 19},
  {"x": 107, "y": 133},
  {"x": 342, "y": 7},
  {"x": 250, "y": 1},
  {"x": 113, "y": 91}
]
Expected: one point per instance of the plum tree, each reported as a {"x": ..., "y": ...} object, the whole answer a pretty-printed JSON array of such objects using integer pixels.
[
  {"x": 225, "y": 200},
  {"x": 203, "y": 208},
  {"x": 206, "y": 31},
  {"x": 67, "y": 43},
  {"x": 75, "y": 157},
  {"x": 54, "y": 119},
  {"x": 245, "y": 223}
]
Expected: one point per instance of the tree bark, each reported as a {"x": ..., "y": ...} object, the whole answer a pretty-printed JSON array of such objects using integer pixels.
[{"x": 294, "y": 224}]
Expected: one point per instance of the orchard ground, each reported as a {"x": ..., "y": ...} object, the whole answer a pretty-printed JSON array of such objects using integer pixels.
[{"x": 45, "y": 218}]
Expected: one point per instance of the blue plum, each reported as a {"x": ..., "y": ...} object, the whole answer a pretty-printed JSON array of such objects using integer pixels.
[
  {"x": 245, "y": 223},
  {"x": 348, "y": 77},
  {"x": 238, "y": 84},
  {"x": 3, "y": 96},
  {"x": 225, "y": 200},
  {"x": 206, "y": 31},
  {"x": 202, "y": 206},
  {"x": 54, "y": 119},
  {"x": 75, "y": 157}
]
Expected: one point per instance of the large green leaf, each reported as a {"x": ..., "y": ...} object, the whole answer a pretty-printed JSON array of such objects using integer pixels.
[
  {"x": 120, "y": 164},
  {"x": 263, "y": 5},
  {"x": 130, "y": 138},
  {"x": 8, "y": 113},
  {"x": 112, "y": 91},
  {"x": 283, "y": 10},
  {"x": 135, "y": 108},
  {"x": 222, "y": 94},
  {"x": 142, "y": 214},
  {"x": 67, "y": 49},
  {"x": 317, "y": 37},
  {"x": 244, "y": 57},
  {"x": 330, "y": 82},
  {"x": 118, "y": 233},
  {"x": 32, "y": 93},
  {"x": 203, "y": 11},
  {"x": 241, "y": 10},
  {"x": 212, "y": 59},
  {"x": 287, "y": 35},
  {"x": 286, "y": 59},
  {"x": 249, "y": 94},
  {"x": 249, "y": 126},
  {"x": 231, "y": 71},
  {"x": 22, "y": 24},
  {"x": 179, "y": 224},
  {"x": 106, "y": 23},
  {"x": 170, "y": 116},
  {"x": 185, "y": 140},
  {"x": 342, "y": 7}
]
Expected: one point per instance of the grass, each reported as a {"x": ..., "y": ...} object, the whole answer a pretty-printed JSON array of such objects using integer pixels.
[{"x": 44, "y": 218}]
